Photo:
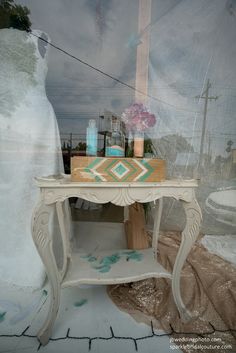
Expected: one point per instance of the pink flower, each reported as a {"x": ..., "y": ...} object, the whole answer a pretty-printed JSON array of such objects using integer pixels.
[{"x": 138, "y": 118}]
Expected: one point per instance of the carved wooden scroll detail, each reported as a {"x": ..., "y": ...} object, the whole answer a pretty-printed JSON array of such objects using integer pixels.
[
  {"x": 43, "y": 241},
  {"x": 189, "y": 236},
  {"x": 117, "y": 195}
]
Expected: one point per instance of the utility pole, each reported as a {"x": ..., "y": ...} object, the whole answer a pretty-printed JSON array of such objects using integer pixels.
[
  {"x": 205, "y": 96},
  {"x": 209, "y": 145},
  {"x": 71, "y": 141}
]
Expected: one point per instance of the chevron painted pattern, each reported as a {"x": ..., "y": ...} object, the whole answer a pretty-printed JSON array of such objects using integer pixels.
[{"x": 103, "y": 169}]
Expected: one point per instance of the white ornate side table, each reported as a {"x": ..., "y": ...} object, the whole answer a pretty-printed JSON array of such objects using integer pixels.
[{"x": 106, "y": 267}]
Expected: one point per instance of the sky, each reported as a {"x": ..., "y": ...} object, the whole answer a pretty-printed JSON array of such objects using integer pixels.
[
  {"x": 191, "y": 42},
  {"x": 88, "y": 30}
]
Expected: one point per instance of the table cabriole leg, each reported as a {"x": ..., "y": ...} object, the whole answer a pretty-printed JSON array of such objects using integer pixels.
[
  {"x": 189, "y": 236},
  {"x": 68, "y": 220},
  {"x": 156, "y": 228},
  {"x": 43, "y": 241},
  {"x": 63, "y": 219}
]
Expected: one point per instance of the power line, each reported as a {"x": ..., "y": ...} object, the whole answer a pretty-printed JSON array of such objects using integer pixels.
[
  {"x": 108, "y": 75},
  {"x": 156, "y": 86}
]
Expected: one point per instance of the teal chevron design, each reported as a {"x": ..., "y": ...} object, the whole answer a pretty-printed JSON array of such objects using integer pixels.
[
  {"x": 101, "y": 169},
  {"x": 94, "y": 163},
  {"x": 148, "y": 167},
  {"x": 120, "y": 170},
  {"x": 92, "y": 167},
  {"x": 123, "y": 166}
]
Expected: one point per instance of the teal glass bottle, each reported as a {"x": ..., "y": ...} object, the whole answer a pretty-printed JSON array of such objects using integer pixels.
[{"x": 91, "y": 138}]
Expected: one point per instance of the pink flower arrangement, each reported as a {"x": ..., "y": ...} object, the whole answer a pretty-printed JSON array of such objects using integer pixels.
[{"x": 137, "y": 118}]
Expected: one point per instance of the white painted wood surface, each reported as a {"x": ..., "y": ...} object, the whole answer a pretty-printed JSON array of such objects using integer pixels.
[
  {"x": 122, "y": 271},
  {"x": 77, "y": 269}
]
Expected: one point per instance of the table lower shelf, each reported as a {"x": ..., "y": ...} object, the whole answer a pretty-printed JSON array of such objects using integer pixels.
[{"x": 112, "y": 267}]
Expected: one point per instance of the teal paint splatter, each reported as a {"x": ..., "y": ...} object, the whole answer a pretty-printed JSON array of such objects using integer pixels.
[
  {"x": 80, "y": 303},
  {"x": 136, "y": 256},
  {"x": 2, "y": 316},
  {"x": 109, "y": 260},
  {"x": 106, "y": 262},
  {"x": 92, "y": 259},
  {"x": 104, "y": 265},
  {"x": 133, "y": 255},
  {"x": 45, "y": 292},
  {"x": 89, "y": 257},
  {"x": 105, "y": 269}
]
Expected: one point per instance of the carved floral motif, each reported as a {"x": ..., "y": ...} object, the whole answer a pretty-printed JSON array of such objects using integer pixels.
[{"x": 117, "y": 195}]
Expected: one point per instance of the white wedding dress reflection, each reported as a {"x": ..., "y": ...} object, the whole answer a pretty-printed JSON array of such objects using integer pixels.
[{"x": 29, "y": 147}]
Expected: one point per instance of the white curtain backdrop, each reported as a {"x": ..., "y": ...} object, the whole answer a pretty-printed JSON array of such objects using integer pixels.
[{"x": 192, "y": 74}]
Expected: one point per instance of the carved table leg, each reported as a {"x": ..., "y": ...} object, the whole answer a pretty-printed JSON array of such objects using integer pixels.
[
  {"x": 189, "y": 235},
  {"x": 43, "y": 241},
  {"x": 64, "y": 224},
  {"x": 156, "y": 228}
]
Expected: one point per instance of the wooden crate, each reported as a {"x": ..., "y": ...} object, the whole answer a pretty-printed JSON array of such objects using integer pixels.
[{"x": 109, "y": 169}]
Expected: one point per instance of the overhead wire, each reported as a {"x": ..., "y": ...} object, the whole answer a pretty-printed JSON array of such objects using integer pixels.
[{"x": 109, "y": 75}]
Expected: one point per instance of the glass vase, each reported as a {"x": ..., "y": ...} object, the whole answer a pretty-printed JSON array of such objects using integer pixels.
[
  {"x": 138, "y": 144},
  {"x": 115, "y": 142}
]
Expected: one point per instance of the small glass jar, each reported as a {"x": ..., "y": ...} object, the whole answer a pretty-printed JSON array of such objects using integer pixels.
[{"x": 115, "y": 141}]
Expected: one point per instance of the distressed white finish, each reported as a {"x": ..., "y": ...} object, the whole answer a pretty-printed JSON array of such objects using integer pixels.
[
  {"x": 76, "y": 268},
  {"x": 157, "y": 222},
  {"x": 133, "y": 269}
]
